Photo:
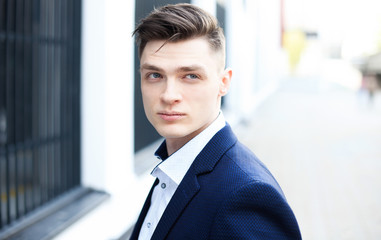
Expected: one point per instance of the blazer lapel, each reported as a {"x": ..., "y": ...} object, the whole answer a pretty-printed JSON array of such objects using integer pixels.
[
  {"x": 143, "y": 213},
  {"x": 189, "y": 186}
]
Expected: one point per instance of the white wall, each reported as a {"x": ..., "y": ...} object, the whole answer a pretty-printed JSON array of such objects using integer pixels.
[
  {"x": 254, "y": 53},
  {"x": 93, "y": 96},
  {"x": 107, "y": 120}
]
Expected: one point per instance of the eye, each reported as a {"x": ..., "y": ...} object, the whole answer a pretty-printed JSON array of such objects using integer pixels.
[
  {"x": 191, "y": 76},
  {"x": 154, "y": 75}
]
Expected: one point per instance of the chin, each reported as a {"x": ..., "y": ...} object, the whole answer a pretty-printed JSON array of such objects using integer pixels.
[{"x": 173, "y": 132}]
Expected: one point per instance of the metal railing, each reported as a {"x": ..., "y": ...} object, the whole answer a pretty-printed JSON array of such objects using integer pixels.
[{"x": 39, "y": 103}]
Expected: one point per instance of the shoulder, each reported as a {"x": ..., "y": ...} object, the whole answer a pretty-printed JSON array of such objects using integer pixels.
[
  {"x": 253, "y": 204},
  {"x": 248, "y": 165},
  {"x": 255, "y": 210}
]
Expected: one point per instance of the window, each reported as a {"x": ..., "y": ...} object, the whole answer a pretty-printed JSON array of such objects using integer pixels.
[{"x": 39, "y": 104}]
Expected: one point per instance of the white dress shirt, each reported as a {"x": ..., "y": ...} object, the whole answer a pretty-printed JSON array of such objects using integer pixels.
[{"x": 170, "y": 173}]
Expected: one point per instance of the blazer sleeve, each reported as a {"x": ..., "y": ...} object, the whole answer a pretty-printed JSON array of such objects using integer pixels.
[{"x": 255, "y": 211}]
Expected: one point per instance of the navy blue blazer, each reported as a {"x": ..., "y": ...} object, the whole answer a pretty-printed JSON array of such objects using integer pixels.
[{"x": 227, "y": 193}]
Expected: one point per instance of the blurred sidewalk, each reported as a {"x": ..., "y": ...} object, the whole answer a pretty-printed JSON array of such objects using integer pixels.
[{"x": 323, "y": 143}]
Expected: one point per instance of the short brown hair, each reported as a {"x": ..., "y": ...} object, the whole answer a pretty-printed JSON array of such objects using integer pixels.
[{"x": 179, "y": 22}]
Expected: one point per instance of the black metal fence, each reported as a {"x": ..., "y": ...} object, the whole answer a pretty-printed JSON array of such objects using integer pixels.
[{"x": 39, "y": 103}]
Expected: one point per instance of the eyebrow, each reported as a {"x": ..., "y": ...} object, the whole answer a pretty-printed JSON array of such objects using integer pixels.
[
  {"x": 150, "y": 67},
  {"x": 190, "y": 68}
]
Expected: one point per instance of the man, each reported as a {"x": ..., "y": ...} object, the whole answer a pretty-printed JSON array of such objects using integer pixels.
[{"x": 208, "y": 186}]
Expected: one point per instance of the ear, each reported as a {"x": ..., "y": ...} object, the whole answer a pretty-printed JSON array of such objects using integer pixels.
[{"x": 225, "y": 82}]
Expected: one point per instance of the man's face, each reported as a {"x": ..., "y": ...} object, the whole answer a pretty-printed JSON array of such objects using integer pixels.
[{"x": 182, "y": 84}]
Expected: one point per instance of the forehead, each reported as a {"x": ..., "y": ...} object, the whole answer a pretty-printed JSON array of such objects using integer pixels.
[{"x": 185, "y": 52}]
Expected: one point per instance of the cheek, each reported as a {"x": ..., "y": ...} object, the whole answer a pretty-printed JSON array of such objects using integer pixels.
[
  {"x": 149, "y": 101},
  {"x": 148, "y": 93},
  {"x": 204, "y": 96}
]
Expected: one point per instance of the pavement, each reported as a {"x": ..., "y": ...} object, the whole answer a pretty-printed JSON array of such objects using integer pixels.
[{"x": 322, "y": 142}]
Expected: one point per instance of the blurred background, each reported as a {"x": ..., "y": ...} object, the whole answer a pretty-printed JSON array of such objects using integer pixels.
[{"x": 76, "y": 149}]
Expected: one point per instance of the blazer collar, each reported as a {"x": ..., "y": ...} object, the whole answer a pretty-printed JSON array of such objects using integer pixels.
[
  {"x": 177, "y": 164},
  {"x": 189, "y": 186}
]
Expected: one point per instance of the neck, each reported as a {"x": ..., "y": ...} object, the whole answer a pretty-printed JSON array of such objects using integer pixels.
[{"x": 174, "y": 144}]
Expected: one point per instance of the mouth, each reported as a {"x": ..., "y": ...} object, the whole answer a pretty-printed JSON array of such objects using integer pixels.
[{"x": 171, "y": 116}]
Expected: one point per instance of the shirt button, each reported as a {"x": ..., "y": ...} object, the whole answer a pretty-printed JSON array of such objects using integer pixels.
[
  {"x": 149, "y": 225},
  {"x": 163, "y": 185}
]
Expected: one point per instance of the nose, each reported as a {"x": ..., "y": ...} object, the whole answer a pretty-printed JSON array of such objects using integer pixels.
[{"x": 171, "y": 93}]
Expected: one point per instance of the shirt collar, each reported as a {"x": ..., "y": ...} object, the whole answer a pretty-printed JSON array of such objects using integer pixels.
[{"x": 176, "y": 165}]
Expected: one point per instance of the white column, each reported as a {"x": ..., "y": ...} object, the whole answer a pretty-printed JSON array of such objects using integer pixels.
[
  {"x": 93, "y": 96},
  {"x": 107, "y": 120},
  {"x": 107, "y": 93}
]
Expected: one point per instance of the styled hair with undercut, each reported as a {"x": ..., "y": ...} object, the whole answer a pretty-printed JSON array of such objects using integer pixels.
[{"x": 178, "y": 22}]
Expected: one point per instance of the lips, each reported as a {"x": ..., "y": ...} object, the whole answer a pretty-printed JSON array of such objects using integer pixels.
[{"x": 171, "y": 116}]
